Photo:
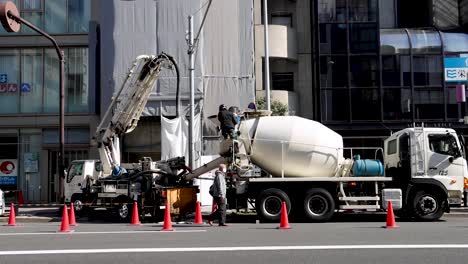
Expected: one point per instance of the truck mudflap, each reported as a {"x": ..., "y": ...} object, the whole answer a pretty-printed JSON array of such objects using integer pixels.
[{"x": 447, "y": 206}]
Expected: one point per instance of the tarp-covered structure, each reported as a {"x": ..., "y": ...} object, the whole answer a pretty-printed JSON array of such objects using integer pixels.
[{"x": 224, "y": 55}]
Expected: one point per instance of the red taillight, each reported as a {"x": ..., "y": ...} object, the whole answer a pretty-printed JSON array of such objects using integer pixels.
[{"x": 164, "y": 193}]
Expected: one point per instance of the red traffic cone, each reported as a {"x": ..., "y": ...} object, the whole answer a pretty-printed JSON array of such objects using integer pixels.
[
  {"x": 65, "y": 227},
  {"x": 284, "y": 224},
  {"x": 12, "y": 219},
  {"x": 72, "y": 216},
  {"x": 167, "y": 219},
  {"x": 135, "y": 215},
  {"x": 20, "y": 198},
  {"x": 390, "y": 217},
  {"x": 198, "y": 216}
]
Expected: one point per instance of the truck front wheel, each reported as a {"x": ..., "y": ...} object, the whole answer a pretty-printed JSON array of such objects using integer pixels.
[
  {"x": 319, "y": 205},
  {"x": 269, "y": 202},
  {"x": 427, "y": 206}
]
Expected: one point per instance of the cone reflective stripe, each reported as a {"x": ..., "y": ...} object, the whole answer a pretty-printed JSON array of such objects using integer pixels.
[
  {"x": 390, "y": 216},
  {"x": 72, "y": 216},
  {"x": 135, "y": 215},
  {"x": 12, "y": 219},
  {"x": 284, "y": 224},
  {"x": 198, "y": 216},
  {"x": 65, "y": 227},
  {"x": 167, "y": 219}
]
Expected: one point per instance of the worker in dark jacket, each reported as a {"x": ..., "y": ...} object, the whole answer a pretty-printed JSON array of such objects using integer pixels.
[
  {"x": 218, "y": 191},
  {"x": 228, "y": 121}
]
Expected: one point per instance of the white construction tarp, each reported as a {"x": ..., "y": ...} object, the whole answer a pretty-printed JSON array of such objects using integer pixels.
[
  {"x": 174, "y": 138},
  {"x": 224, "y": 60}
]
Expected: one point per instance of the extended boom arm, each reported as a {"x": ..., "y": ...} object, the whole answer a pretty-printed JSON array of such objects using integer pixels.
[{"x": 131, "y": 99}]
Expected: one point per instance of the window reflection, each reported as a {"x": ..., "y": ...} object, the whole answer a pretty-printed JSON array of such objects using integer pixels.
[
  {"x": 335, "y": 105},
  {"x": 365, "y": 104},
  {"x": 394, "y": 41},
  {"x": 332, "y": 10},
  {"x": 397, "y": 104},
  {"x": 429, "y": 103},
  {"x": 362, "y": 10}
]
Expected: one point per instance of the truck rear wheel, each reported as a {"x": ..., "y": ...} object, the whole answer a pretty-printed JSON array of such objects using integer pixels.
[
  {"x": 269, "y": 203},
  {"x": 427, "y": 206},
  {"x": 319, "y": 205}
]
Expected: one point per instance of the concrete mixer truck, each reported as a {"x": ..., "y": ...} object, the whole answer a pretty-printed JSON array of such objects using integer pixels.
[{"x": 304, "y": 164}]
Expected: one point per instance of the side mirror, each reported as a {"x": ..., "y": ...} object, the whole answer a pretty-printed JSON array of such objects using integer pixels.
[
  {"x": 451, "y": 159},
  {"x": 79, "y": 184}
]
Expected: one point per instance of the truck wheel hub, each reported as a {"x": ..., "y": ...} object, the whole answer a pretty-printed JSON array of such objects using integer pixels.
[
  {"x": 272, "y": 205},
  {"x": 78, "y": 205},
  {"x": 123, "y": 211},
  {"x": 317, "y": 205},
  {"x": 427, "y": 204}
]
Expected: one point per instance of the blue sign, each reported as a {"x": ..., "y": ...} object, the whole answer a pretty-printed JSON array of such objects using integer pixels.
[
  {"x": 3, "y": 78},
  {"x": 456, "y": 69},
  {"x": 8, "y": 180},
  {"x": 25, "y": 88}
]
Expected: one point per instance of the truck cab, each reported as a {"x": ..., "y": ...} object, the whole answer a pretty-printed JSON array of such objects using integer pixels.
[
  {"x": 427, "y": 162},
  {"x": 80, "y": 174}
]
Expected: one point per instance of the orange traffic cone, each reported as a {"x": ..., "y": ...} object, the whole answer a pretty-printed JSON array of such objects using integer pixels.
[
  {"x": 135, "y": 216},
  {"x": 284, "y": 224},
  {"x": 65, "y": 227},
  {"x": 72, "y": 216},
  {"x": 167, "y": 220},
  {"x": 20, "y": 198},
  {"x": 198, "y": 216},
  {"x": 390, "y": 217},
  {"x": 12, "y": 219}
]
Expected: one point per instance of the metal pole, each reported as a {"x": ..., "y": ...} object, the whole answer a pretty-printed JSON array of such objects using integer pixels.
[
  {"x": 267, "y": 55},
  {"x": 61, "y": 57},
  {"x": 191, "y": 53}
]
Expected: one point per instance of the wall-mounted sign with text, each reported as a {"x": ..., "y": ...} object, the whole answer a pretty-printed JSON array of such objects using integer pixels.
[
  {"x": 456, "y": 69},
  {"x": 8, "y": 171}
]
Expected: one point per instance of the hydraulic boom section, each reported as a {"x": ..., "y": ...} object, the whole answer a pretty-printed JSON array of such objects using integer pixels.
[{"x": 130, "y": 99}]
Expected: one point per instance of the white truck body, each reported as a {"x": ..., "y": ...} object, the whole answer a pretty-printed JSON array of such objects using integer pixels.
[{"x": 304, "y": 161}]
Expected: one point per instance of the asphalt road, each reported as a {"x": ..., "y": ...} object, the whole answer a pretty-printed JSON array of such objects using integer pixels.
[{"x": 336, "y": 242}]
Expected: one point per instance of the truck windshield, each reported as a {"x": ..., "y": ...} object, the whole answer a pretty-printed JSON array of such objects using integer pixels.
[
  {"x": 444, "y": 144},
  {"x": 76, "y": 169}
]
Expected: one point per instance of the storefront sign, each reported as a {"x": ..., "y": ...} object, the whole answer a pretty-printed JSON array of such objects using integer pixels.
[
  {"x": 25, "y": 88},
  {"x": 8, "y": 171},
  {"x": 31, "y": 163},
  {"x": 8, "y": 88},
  {"x": 3, "y": 78},
  {"x": 456, "y": 69}
]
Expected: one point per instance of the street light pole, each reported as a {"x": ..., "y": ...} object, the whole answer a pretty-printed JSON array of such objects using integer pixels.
[{"x": 11, "y": 21}]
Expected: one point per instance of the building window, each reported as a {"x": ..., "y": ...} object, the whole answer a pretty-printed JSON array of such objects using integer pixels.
[
  {"x": 364, "y": 71},
  {"x": 282, "y": 81},
  {"x": 335, "y": 105},
  {"x": 9, "y": 70},
  {"x": 397, "y": 104},
  {"x": 332, "y": 10},
  {"x": 333, "y": 38},
  {"x": 429, "y": 103},
  {"x": 363, "y": 38},
  {"x": 363, "y": 10},
  {"x": 29, "y": 81},
  {"x": 427, "y": 70},
  {"x": 333, "y": 71},
  {"x": 365, "y": 104},
  {"x": 282, "y": 18},
  {"x": 31, "y": 87},
  {"x": 54, "y": 16}
]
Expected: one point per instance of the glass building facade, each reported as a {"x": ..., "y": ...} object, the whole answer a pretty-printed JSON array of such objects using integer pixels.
[
  {"x": 29, "y": 95},
  {"x": 376, "y": 74}
]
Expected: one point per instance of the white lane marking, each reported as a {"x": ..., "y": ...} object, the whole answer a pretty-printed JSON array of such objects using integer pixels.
[
  {"x": 101, "y": 232},
  {"x": 221, "y": 249}
]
